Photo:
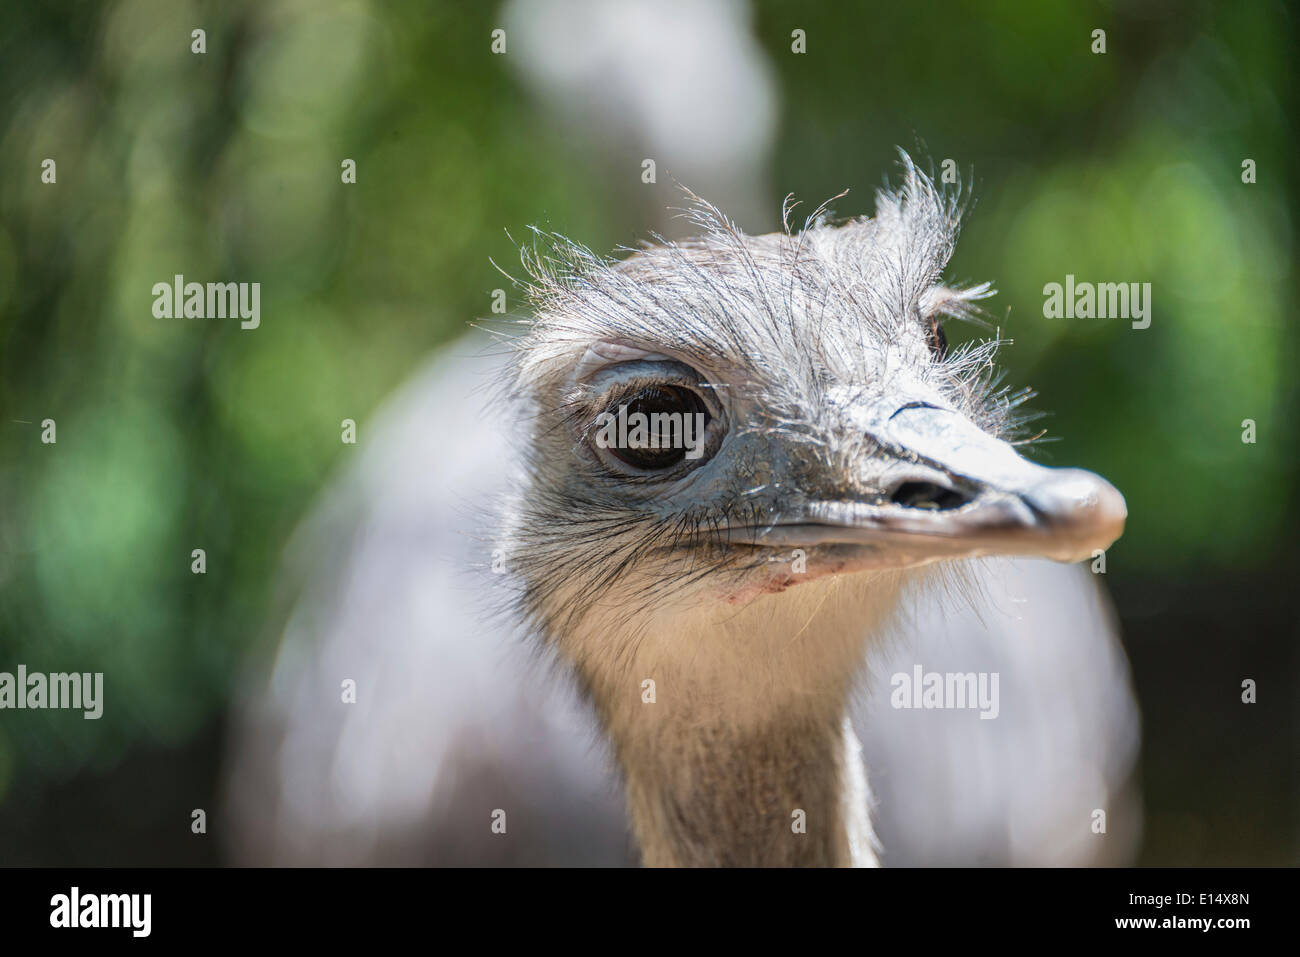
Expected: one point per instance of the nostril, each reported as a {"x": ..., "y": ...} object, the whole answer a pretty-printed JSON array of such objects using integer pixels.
[{"x": 927, "y": 495}]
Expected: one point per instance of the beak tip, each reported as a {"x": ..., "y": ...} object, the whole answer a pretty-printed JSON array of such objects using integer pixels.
[{"x": 1083, "y": 510}]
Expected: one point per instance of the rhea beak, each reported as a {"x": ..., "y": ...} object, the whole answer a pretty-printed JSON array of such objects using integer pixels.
[{"x": 954, "y": 491}]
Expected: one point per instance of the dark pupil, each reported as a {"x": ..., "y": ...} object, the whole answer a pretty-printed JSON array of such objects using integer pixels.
[
  {"x": 665, "y": 409},
  {"x": 938, "y": 341}
]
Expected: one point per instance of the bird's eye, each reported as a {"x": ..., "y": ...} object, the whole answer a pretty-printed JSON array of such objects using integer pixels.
[
  {"x": 656, "y": 428},
  {"x": 938, "y": 341}
]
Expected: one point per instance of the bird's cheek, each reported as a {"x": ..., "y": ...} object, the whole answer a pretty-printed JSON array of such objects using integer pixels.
[{"x": 799, "y": 566}]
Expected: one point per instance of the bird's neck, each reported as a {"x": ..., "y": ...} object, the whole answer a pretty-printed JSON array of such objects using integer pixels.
[
  {"x": 791, "y": 793},
  {"x": 730, "y": 726}
]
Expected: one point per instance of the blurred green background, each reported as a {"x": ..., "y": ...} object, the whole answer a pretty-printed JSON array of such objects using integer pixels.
[{"x": 175, "y": 435}]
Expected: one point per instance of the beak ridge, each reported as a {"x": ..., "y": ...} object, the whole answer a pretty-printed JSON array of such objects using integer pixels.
[{"x": 1007, "y": 505}]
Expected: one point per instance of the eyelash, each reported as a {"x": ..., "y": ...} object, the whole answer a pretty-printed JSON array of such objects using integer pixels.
[{"x": 632, "y": 389}]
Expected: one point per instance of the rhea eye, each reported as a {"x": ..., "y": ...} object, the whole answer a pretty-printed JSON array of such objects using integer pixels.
[
  {"x": 654, "y": 429},
  {"x": 938, "y": 341}
]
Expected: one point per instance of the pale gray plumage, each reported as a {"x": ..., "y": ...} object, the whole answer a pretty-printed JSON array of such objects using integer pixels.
[{"x": 802, "y": 335}]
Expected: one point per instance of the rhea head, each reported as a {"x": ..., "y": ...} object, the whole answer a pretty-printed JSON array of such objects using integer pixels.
[{"x": 840, "y": 433}]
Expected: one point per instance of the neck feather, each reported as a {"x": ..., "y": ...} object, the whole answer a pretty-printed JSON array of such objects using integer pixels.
[{"x": 739, "y": 753}]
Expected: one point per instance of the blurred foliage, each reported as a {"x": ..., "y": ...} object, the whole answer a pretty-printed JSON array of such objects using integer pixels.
[{"x": 181, "y": 435}]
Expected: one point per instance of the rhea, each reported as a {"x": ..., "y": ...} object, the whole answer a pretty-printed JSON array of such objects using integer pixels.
[
  {"x": 716, "y": 603},
  {"x": 718, "y": 609}
]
